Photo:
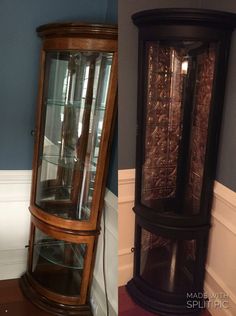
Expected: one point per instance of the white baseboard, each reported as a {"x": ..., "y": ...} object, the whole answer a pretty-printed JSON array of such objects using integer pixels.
[{"x": 221, "y": 265}]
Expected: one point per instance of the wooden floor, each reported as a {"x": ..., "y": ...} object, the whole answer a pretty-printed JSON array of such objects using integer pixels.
[
  {"x": 128, "y": 308},
  {"x": 13, "y": 303}
]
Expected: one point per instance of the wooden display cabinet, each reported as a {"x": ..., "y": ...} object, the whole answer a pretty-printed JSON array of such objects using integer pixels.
[
  {"x": 183, "y": 56},
  {"x": 75, "y": 116}
]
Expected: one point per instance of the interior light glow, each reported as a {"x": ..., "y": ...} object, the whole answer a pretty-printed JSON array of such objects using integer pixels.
[{"x": 184, "y": 67}]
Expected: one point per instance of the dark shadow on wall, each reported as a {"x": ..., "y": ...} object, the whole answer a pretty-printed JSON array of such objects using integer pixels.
[{"x": 112, "y": 181}]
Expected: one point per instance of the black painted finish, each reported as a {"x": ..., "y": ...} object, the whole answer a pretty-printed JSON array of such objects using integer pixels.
[
  {"x": 171, "y": 25},
  {"x": 185, "y": 16}
]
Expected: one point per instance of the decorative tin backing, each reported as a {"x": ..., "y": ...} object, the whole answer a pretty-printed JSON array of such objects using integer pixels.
[
  {"x": 199, "y": 127},
  {"x": 168, "y": 76}
]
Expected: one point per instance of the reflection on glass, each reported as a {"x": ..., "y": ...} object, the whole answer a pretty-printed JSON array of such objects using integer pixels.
[
  {"x": 167, "y": 264},
  {"x": 74, "y": 99},
  {"x": 57, "y": 264},
  {"x": 179, "y": 89}
]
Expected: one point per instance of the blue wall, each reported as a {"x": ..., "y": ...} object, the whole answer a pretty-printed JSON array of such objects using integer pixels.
[{"x": 19, "y": 66}]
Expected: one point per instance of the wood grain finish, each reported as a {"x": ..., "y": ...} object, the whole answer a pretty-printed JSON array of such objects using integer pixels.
[
  {"x": 73, "y": 37},
  {"x": 79, "y": 44},
  {"x": 83, "y": 44},
  {"x": 50, "y": 306},
  {"x": 77, "y": 30}
]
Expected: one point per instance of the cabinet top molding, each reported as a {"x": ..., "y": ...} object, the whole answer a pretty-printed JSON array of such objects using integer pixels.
[
  {"x": 73, "y": 29},
  {"x": 220, "y": 19}
]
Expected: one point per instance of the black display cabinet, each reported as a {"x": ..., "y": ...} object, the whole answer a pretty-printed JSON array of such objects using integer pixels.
[{"x": 183, "y": 55}]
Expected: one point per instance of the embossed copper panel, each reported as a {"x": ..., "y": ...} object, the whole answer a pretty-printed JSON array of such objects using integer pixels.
[
  {"x": 170, "y": 95},
  {"x": 199, "y": 127},
  {"x": 163, "y": 122},
  {"x": 167, "y": 264}
]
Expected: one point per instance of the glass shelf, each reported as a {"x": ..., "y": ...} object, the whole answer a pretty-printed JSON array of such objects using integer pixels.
[
  {"x": 75, "y": 104},
  {"x": 166, "y": 124},
  {"x": 62, "y": 253},
  {"x": 58, "y": 265},
  {"x": 168, "y": 73},
  {"x": 57, "y": 193},
  {"x": 70, "y": 162},
  {"x": 74, "y": 111}
]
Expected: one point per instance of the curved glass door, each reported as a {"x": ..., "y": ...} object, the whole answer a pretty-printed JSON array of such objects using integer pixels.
[
  {"x": 58, "y": 265},
  {"x": 74, "y": 104},
  {"x": 168, "y": 264}
]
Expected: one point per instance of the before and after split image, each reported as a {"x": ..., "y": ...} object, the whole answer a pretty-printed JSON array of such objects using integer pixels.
[{"x": 117, "y": 163}]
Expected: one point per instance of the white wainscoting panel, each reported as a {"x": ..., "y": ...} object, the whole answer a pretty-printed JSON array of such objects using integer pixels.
[
  {"x": 221, "y": 264},
  {"x": 126, "y": 224},
  {"x": 111, "y": 261},
  {"x": 14, "y": 221}
]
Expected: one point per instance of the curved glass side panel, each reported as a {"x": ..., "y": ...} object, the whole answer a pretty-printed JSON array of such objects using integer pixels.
[
  {"x": 168, "y": 264},
  {"x": 74, "y": 104},
  {"x": 58, "y": 265},
  {"x": 180, "y": 78}
]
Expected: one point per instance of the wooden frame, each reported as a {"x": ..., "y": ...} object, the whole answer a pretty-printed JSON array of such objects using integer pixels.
[
  {"x": 168, "y": 26},
  {"x": 72, "y": 37},
  {"x": 83, "y": 44},
  {"x": 70, "y": 237}
]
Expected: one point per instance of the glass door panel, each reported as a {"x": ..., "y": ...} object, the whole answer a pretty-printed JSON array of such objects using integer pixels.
[
  {"x": 75, "y": 94},
  {"x": 176, "y": 122},
  {"x": 58, "y": 265},
  {"x": 167, "y": 264}
]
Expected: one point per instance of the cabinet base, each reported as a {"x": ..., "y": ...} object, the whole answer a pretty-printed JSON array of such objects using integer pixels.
[
  {"x": 156, "y": 307},
  {"x": 49, "y": 306}
]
